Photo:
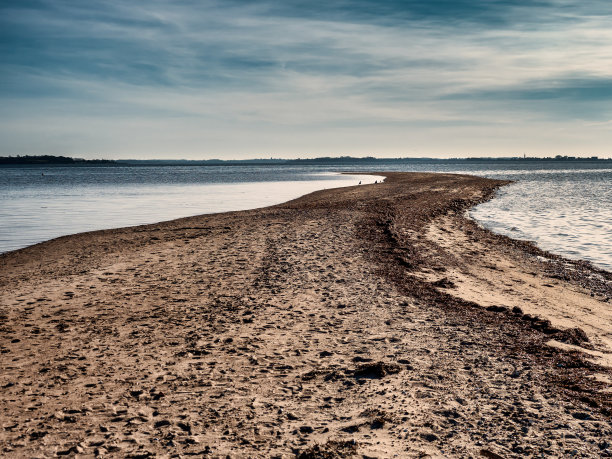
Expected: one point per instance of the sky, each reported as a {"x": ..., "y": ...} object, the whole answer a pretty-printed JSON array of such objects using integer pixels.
[{"x": 239, "y": 79}]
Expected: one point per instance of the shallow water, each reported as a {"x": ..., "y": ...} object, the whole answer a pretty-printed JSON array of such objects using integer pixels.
[
  {"x": 564, "y": 212},
  {"x": 40, "y": 203}
]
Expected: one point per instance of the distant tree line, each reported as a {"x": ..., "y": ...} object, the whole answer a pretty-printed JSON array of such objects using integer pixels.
[
  {"x": 535, "y": 158},
  {"x": 50, "y": 159}
]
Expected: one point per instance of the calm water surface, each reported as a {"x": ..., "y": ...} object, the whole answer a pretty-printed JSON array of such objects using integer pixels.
[
  {"x": 564, "y": 207},
  {"x": 564, "y": 212},
  {"x": 40, "y": 203}
]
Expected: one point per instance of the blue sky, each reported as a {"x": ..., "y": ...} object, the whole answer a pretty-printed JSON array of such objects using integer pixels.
[{"x": 244, "y": 79}]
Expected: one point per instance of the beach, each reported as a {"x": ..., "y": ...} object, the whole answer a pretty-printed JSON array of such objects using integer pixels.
[{"x": 366, "y": 321}]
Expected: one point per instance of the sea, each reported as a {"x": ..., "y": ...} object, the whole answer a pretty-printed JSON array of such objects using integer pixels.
[{"x": 564, "y": 207}]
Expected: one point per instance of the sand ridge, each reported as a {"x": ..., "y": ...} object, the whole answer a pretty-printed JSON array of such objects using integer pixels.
[{"x": 328, "y": 326}]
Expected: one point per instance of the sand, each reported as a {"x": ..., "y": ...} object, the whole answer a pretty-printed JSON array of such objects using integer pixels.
[{"x": 369, "y": 321}]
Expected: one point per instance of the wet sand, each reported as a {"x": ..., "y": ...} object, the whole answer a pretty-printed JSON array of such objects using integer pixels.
[{"x": 369, "y": 321}]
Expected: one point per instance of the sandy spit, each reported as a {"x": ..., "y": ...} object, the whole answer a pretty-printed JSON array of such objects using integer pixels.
[{"x": 369, "y": 321}]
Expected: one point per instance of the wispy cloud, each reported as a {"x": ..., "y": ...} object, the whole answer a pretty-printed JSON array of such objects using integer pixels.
[{"x": 238, "y": 78}]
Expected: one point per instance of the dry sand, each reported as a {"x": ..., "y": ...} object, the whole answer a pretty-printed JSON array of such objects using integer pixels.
[{"x": 373, "y": 321}]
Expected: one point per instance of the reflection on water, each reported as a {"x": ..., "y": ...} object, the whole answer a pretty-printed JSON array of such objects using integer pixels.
[
  {"x": 569, "y": 213},
  {"x": 36, "y": 207}
]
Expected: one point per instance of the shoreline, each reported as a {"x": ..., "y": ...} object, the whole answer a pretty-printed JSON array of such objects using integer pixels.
[
  {"x": 236, "y": 196},
  {"x": 541, "y": 245},
  {"x": 372, "y": 319},
  {"x": 551, "y": 253}
]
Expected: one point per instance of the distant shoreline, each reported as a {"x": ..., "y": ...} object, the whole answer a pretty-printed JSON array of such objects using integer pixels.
[{"x": 50, "y": 160}]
